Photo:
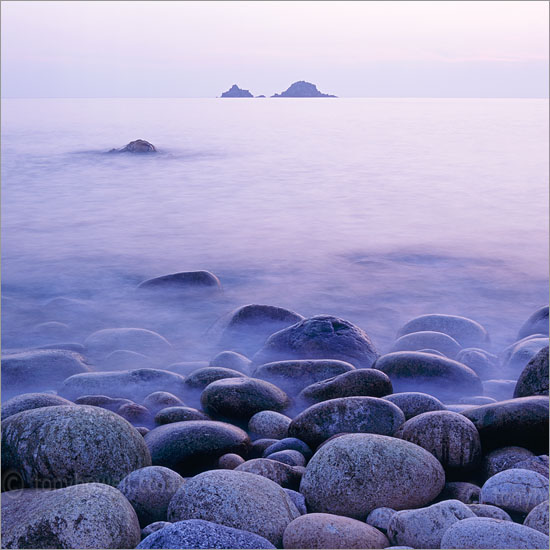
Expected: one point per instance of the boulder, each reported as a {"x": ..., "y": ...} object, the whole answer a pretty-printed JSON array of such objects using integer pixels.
[
  {"x": 415, "y": 403},
  {"x": 235, "y": 499},
  {"x": 467, "y": 493},
  {"x": 536, "y": 324},
  {"x": 538, "y": 518},
  {"x": 28, "y": 401},
  {"x": 515, "y": 490},
  {"x": 346, "y": 415},
  {"x": 425, "y": 527},
  {"x": 230, "y": 461},
  {"x": 483, "y": 363},
  {"x": 427, "y": 339},
  {"x": 235, "y": 91},
  {"x": 159, "y": 400},
  {"x": 179, "y": 414},
  {"x": 102, "y": 401},
  {"x": 195, "y": 445},
  {"x": 269, "y": 424},
  {"x": 449, "y": 436},
  {"x": 380, "y": 518},
  {"x": 137, "y": 146},
  {"x": 137, "y": 415},
  {"x": 499, "y": 389},
  {"x": 89, "y": 515},
  {"x": 196, "y": 533},
  {"x": 149, "y": 490},
  {"x": 330, "y": 531},
  {"x": 466, "y": 332},
  {"x": 200, "y": 378},
  {"x": 232, "y": 360},
  {"x": 538, "y": 464},
  {"x": 358, "y": 382},
  {"x": 534, "y": 377},
  {"x": 183, "y": 281},
  {"x": 522, "y": 353},
  {"x": 489, "y": 511},
  {"x": 290, "y": 457},
  {"x": 282, "y": 474},
  {"x": 353, "y": 474},
  {"x": 242, "y": 398},
  {"x": 492, "y": 533},
  {"x": 152, "y": 527},
  {"x": 288, "y": 444},
  {"x": 502, "y": 459},
  {"x": 67, "y": 445},
  {"x": 443, "y": 378},
  {"x": 298, "y": 499},
  {"x": 319, "y": 337}
]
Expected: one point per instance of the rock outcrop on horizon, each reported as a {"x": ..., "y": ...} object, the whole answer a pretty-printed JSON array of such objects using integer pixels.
[
  {"x": 235, "y": 91},
  {"x": 137, "y": 146},
  {"x": 302, "y": 89}
]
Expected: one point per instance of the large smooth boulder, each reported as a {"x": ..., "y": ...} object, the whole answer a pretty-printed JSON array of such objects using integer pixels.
[
  {"x": 235, "y": 499},
  {"x": 39, "y": 370},
  {"x": 358, "y": 382},
  {"x": 538, "y": 518},
  {"x": 232, "y": 360},
  {"x": 195, "y": 445},
  {"x": 466, "y": 332},
  {"x": 521, "y": 422},
  {"x": 414, "y": 371},
  {"x": 515, "y": 490},
  {"x": 499, "y": 389},
  {"x": 28, "y": 401},
  {"x": 415, "y": 403},
  {"x": 197, "y": 533},
  {"x": 319, "y": 337},
  {"x": 269, "y": 424},
  {"x": 427, "y": 339},
  {"x": 330, "y": 531},
  {"x": 67, "y": 445},
  {"x": 282, "y": 474},
  {"x": 294, "y": 376},
  {"x": 183, "y": 281},
  {"x": 483, "y": 363},
  {"x": 242, "y": 398},
  {"x": 90, "y": 515},
  {"x": 492, "y": 533},
  {"x": 179, "y": 414},
  {"x": 537, "y": 323},
  {"x": 137, "y": 146},
  {"x": 449, "y": 436},
  {"x": 534, "y": 378},
  {"x": 131, "y": 384},
  {"x": 489, "y": 511},
  {"x": 150, "y": 490},
  {"x": 200, "y": 378},
  {"x": 346, "y": 415},
  {"x": 502, "y": 459},
  {"x": 159, "y": 400},
  {"x": 539, "y": 464},
  {"x": 424, "y": 528},
  {"x": 521, "y": 353},
  {"x": 353, "y": 474}
]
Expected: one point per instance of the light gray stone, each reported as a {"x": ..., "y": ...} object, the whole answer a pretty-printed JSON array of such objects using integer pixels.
[
  {"x": 538, "y": 518},
  {"x": 232, "y": 360},
  {"x": 380, "y": 518},
  {"x": 282, "y": 474},
  {"x": 269, "y": 424},
  {"x": 502, "y": 459},
  {"x": 28, "y": 401},
  {"x": 489, "y": 511},
  {"x": 427, "y": 339},
  {"x": 415, "y": 403},
  {"x": 537, "y": 323}
]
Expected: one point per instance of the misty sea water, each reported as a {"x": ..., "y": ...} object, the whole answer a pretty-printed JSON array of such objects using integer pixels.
[{"x": 374, "y": 210}]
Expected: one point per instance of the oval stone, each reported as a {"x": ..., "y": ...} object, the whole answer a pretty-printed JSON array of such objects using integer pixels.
[{"x": 427, "y": 339}]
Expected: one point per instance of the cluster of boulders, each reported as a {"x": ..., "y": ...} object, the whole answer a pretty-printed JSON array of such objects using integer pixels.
[{"x": 298, "y": 433}]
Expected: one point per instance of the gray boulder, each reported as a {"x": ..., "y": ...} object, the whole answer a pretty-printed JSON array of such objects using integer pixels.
[
  {"x": 159, "y": 400},
  {"x": 499, "y": 389},
  {"x": 298, "y": 499},
  {"x": 232, "y": 360},
  {"x": 282, "y": 474},
  {"x": 483, "y": 363},
  {"x": 28, "y": 401},
  {"x": 102, "y": 401},
  {"x": 355, "y": 473},
  {"x": 235, "y": 499},
  {"x": 467, "y": 493},
  {"x": 538, "y": 464},
  {"x": 538, "y": 518},
  {"x": 89, "y": 515},
  {"x": 534, "y": 378},
  {"x": 288, "y": 443},
  {"x": 502, "y": 459},
  {"x": 427, "y": 339},
  {"x": 67, "y": 445},
  {"x": 319, "y": 337},
  {"x": 137, "y": 415},
  {"x": 200, "y": 378},
  {"x": 269, "y": 424},
  {"x": 183, "y": 281},
  {"x": 536, "y": 324},
  {"x": 179, "y": 414},
  {"x": 489, "y": 511},
  {"x": 137, "y": 146},
  {"x": 152, "y": 527},
  {"x": 414, "y": 403},
  {"x": 380, "y": 518},
  {"x": 230, "y": 461},
  {"x": 290, "y": 457}
]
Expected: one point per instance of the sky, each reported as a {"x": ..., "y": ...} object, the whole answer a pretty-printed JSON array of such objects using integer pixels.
[{"x": 199, "y": 49}]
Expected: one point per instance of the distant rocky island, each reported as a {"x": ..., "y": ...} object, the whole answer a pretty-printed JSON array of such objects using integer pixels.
[
  {"x": 235, "y": 91},
  {"x": 302, "y": 89}
]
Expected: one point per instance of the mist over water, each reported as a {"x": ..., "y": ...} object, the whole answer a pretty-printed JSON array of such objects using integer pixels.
[{"x": 374, "y": 210}]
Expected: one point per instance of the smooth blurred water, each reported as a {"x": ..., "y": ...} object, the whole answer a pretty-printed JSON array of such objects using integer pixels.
[{"x": 376, "y": 210}]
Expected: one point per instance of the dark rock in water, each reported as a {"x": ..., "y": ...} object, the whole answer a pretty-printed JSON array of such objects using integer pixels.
[
  {"x": 483, "y": 363},
  {"x": 149, "y": 490},
  {"x": 132, "y": 384},
  {"x": 319, "y": 337},
  {"x": 290, "y": 444},
  {"x": 415, "y": 403},
  {"x": 89, "y": 515},
  {"x": 260, "y": 445},
  {"x": 242, "y": 398},
  {"x": 197, "y": 533},
  {"x": 159, "y": 400},
  {"x": 235, "y": 499},
  {"x": 489, "y": 511},
  {"x": 282, "y": 474},
  {"x": 534, "y": 378},
  {"x": 196, "y": 445},
  {"x": 302, "y": 89},
  {"x": 28, "y": 401},
  {"x": 109, "y": 403},
  {"x": 358, "y": 382},
  {"x": 492, "y": 533},
  {"x": 536, "y": 324},
  {"x": 346, "y": 415},
  {"x": 427, "y": 339},
  {"x": 200, "y": 378},
  {"x": 331, "y": 531},
  {"x": 246, "y": 328},
  {"x": 235, "y": 91},
  {"x": 137, "y": 146},
  {"x": 294, "y": 376},
  {"x": 39, "y": 370},
  {"x": 355, "y": 473},
  {"x": 460, "y": 490},
  {"x": 269, "y": 424},
  {"x": 538, "y": 518},
  {"x": 67, "y": 445},
  {"x": 521, "y": 422},
  {"x": 179, "y": 414},
  {"x": 232, "y": 360},
  {"x": 502, "y": 459},
  {"x": 423, "y": 372},
  {"x": 466, "y": 332},
  {"x": 449, "y": 436},
  {"x": 538, "y": 464},
  {"x": 186, "y": 281}
]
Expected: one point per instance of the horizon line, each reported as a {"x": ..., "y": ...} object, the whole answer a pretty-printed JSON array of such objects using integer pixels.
[{"x": 269, "y": 97}]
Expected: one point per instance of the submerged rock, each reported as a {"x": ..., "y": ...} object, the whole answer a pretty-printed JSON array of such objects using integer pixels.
[
  {"x": 185, "y": 280},
  {"x": 235, "y": 91},
  {"x": 302, "y": 89},
  {"x": 137, "y": 146}
]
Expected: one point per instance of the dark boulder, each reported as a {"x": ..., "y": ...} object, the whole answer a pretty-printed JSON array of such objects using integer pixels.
[{"x": 534, "y": 378}]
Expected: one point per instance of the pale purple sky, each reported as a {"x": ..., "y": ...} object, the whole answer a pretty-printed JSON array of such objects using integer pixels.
[{"x": 199, "y": 49}]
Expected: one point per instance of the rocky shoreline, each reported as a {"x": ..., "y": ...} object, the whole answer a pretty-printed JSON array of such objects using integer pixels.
[{"x": 297, "y": 433}]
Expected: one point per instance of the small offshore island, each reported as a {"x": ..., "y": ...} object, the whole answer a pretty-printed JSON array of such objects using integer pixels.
[{"x": 298, "y": 89}]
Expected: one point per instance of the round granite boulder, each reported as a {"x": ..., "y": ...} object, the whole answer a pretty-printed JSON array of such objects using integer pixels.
[
  {"x": 440, "y": 377},
  {"x": 523, "y": 353},
  {"x": 67, "y": 445},
  {"x": 353, "y": 474},
  {"x": 483, "y": 363},
  {"x": 288, "y": 444},
  {"x": 235, "y": 499},
  {"x": 195, "y": 445},
  {"x": 415, "y": 403},
  {"x": 179, "y": 414},
  {"x": 536, "y": 324},
  {"x": 102, "y": 401},
  {"x": 319, "y": 337},
  {"x": 89, "y": 515},
  {"x": 534, "y": 378},
  {"x": 427, "y": 339},
  {"x": 538, "y": 464},
  {"x": 232, "y": 360},
  {"x": 184, "y": 280},
  {"x": 269, "y": 424},
  {"x": 28, "y": 401},
  {"x": 282, "y": 474},
  {"x": 102, "y": 342},
  {"x": 502, "y": 459},
  {"x": 330, "y": 531},
  {"x": 538, "y": 518},
  {"x": 380, "y": 518},
  {"x": 200, "y": 378},
  {"x": 489, "y": 511},
  {"x": 242, "y": 398},
  {"x": 159, "y": 400},
  {"x": 346, "y": 415}
]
